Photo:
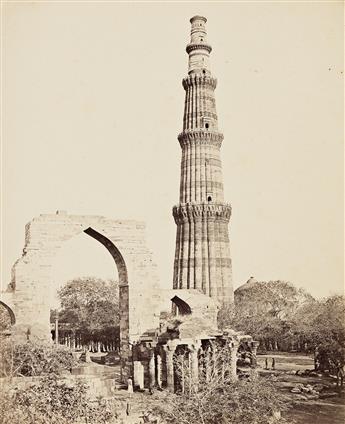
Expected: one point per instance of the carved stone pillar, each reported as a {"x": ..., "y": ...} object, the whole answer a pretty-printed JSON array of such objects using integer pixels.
[
  {"x": 215, "y": 359},
  {"x": 138, "y": 374},
  {"x": 234, "y": 344},
  {"x": 56, "y": 331},
  {"x": 222, "y": 370},
  {"x": 254, "y": 349},
  {"x": 182, "y": 358},
  {"x": 73, "y": 340},
  {"x": 208, "y": 364},
  {"x": 169, "y": 358},
  {"x": 159, "y": 370},
  {"x": 152, "y": 373},
  {"x": 194, "y": 364}
]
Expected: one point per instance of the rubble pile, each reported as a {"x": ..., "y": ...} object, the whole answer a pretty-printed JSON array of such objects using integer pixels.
[{"x": 308, "y": 391}]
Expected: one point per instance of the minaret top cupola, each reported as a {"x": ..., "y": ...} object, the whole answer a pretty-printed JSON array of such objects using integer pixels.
[{"x": 198, "y": 49}]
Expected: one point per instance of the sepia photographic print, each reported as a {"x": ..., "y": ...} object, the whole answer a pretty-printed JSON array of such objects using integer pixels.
[{"x": 172, "y": 212}]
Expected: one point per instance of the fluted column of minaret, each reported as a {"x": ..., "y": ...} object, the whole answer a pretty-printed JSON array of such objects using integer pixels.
[
  {"x": 202, "y": 256},
  {"x": 201, "y": 173}
]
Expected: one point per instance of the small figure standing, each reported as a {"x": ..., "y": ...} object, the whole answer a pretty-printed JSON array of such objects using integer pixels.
[
  {"x": 340, "y": 376},
  {"x": 266, "y": 364},
  {"x": 273, "y": 364},
  {"x": 128, "y": 408},
  {"x": 129, "y": 391}
]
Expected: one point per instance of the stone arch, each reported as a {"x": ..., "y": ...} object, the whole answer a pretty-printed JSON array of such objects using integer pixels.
[
  {"x": 182, "y": 306},
  {"x": 123, "y": 298},
  {"x": 124, "y": 239},
  {"x": 115, "y": 253},
  {"x": 10, "y": 312}
]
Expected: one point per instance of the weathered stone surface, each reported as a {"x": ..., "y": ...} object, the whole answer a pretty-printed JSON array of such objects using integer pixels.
[
  {"x": 138, "y": 374},
  {"x": 203, "y": 310},
  {"x": 31, "y": 275}
]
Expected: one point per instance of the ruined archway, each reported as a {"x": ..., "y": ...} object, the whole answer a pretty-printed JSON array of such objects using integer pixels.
[
  {"x": 123, "y": 293},
  {"x": 12, "y": 317},
  {"x": 115, "y": 253},
  {"x": 125, "y": 241}
]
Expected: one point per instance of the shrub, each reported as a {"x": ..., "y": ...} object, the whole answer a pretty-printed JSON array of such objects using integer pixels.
[
  {"x": 216, "y": 398},
  {"x": 34, "y": 358},
  {"x": 55, "y": 402},
  {"x": 251, "y": 401}
]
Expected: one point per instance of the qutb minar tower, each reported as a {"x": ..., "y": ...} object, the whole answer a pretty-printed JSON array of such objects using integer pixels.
[{"x": 202, "y": 256}]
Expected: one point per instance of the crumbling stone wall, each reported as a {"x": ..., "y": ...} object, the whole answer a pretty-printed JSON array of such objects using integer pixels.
[{"x": 124, "y": 239}]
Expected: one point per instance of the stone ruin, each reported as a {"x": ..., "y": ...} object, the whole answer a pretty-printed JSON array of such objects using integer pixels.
[
  {"x": 193, "y": 335},
  {"x": 28, "y": 291},
  {"x": 148, "y": 345}
]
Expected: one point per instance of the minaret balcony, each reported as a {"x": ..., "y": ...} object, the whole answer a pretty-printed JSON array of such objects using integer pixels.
[
  {"x": 192, "y": 211},
  {"x": 198, "y": 46},
  {"x": 201, "y": 136}
]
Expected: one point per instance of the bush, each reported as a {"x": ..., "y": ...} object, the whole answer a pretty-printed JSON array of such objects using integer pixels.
[
  {"x": 251, "y": 401},
  {"x": 55, "y": 402},
  {"x": 216, "y": 398},
  {"x": 34, "y": 358}
]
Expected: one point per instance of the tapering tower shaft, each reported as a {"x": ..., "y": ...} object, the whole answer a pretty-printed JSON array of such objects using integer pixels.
[{"x": 202, "y": 256}]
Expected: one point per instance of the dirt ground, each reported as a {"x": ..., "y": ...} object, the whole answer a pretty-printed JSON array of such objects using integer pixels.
[{"x": 329, "y": 410}]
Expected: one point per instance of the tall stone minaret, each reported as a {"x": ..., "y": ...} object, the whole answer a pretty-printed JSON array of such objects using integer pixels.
[{"x": 202, "y": 256}]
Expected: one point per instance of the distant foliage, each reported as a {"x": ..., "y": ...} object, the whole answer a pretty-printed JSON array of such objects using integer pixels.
[
  {"x": 55, "y": 402},
  {"x": 265, "y": 311},
  {"x": 321, "y": 327},
  {"x": 321, "y": 321},
  {"x": 283, "y": 317},
  {"x": 91, "y": 305}
]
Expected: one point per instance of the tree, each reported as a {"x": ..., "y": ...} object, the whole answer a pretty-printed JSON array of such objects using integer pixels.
[
  {"x": 281, "y": 316},
  {"x": 92, "y": 306},
  {"x": 274, "y": 298},
  {"x": 264, "y": 310},
  {"x": 320, "y": 326}
]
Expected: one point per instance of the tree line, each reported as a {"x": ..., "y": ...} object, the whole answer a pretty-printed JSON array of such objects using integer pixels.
[{"x": 282, "y": 317}]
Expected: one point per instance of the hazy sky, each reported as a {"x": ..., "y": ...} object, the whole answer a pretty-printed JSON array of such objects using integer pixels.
[{"x": 93, "y": 102}]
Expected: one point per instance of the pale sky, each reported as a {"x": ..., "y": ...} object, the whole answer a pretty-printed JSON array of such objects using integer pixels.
[{"x": 93, "y": 103}]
